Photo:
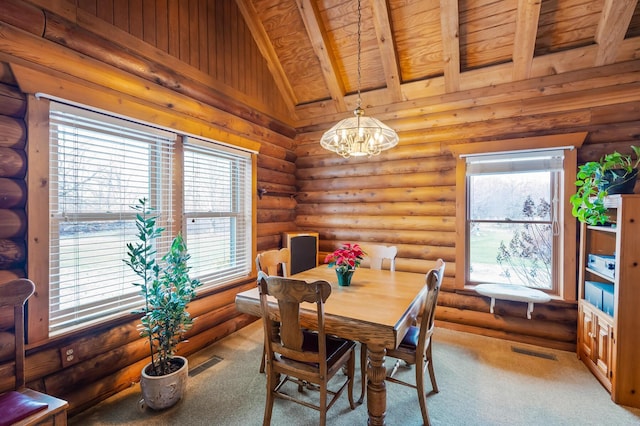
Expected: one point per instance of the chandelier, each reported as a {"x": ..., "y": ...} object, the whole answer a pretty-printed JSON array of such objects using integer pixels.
[{"x": 359, "y": 135}]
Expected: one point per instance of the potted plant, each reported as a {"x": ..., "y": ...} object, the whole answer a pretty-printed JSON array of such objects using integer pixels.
[
  {"x": 166, "y": 289},
  {"x": 345, "y": 259},
  {"x": 614, "y": 173}
]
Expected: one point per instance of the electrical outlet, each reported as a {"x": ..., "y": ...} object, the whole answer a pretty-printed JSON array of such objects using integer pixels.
[{"x": 69, "y": 355}]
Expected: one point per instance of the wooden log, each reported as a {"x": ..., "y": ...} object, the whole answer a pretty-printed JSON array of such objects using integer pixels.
[
  {"x": 13, "y": 253},
  {"x": 22, "y": 15},
  {"x": 13, "y": 223},
  {"x": 6, "y": 318},
  {"x": 92, "y": 370},
  {"x": 9, "y": 275},
  {"x": 13, "y": 132},
  {"x": 7, "y": 346},
  {"x": 426, "y": 223},
  {"x": 265, "y": 216},
  {"x": 6, "y": 76},
  {"x": 408, "y": 251},
  {"x": 594, "y": 152},
  {"x": 520, "y": 325},
  {"x": 276, "y": 202},
  {"x": 436, "y": 237},
  {"x": 440, "y": 193},
  {"x": 7, "y": 376},
  {"x": 498, "y": 334},
  {"x": 372, "y": 168},
  {"x": 276, "y": 228},
  {"x": 12, "y": 101},
  {"x": 437, "y": 208},
  {"x": 13, "y": 162},
  {"x": 553, "y": 311},
  {"x": 13, "y": 193},
  {"x": 313, "y": 155},
  {"x": 434, "y": 179},
  {"x": 273, "y": 176},
  {"x": 277, "y": 188},
  {"x": 276, "y": 164},
  {"x": 268, "y": 242}
]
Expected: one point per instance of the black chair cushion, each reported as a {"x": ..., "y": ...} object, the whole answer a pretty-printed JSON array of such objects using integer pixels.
[
  {"x": 336, "y": 347},
  {"x": 410, "y": 340}
]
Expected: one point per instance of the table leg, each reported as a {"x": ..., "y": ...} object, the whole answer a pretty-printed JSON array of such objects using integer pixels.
[{"x": 376, "y": 388}]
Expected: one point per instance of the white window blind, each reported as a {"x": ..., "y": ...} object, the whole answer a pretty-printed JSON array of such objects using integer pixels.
[
  {"x": 217, "y": 211},
  {"x": 514, "y": 162},
  {"x": 99, "y": 167}
]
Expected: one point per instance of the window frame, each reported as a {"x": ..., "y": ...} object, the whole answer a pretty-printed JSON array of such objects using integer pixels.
[
  {"x": 569, "y": 142},
  {"x": 37, "y": 266}
]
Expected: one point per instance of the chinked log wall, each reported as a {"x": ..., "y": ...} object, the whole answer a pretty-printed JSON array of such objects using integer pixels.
[
  {"x": 406, "y": 196},
  {"x": 108, "y": 359}
]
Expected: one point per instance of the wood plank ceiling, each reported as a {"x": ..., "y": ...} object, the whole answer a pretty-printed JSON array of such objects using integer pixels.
[{"x": 413, "y": 49}]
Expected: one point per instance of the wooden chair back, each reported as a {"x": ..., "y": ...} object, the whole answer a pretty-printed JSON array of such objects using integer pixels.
[
  {"x": 378, "y": 253},
  {"x": 23, "y": 405},
  {"x": 433, "y": 282},
  {"x": 275, "y": 262},
  {"x": 15, "y": 294},
  {"x": 289, "y": 294}
]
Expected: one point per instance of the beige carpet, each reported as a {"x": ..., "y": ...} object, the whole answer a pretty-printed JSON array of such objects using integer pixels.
[{"x": 482, "y": 381}]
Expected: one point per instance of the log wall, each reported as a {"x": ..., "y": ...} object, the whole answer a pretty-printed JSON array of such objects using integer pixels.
[
  {"x": 406, "y": 196},
  {"x": 69, "y": 47}
]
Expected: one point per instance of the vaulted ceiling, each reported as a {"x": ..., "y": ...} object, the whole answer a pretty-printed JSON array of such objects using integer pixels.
[{"x": 414, "y": 49}]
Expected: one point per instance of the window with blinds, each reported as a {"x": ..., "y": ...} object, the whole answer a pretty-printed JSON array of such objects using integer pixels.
[
  {"x": 100, "y": 166},
  {"x": 513, "y": 218},
  {"x": 217, "y": 211}
]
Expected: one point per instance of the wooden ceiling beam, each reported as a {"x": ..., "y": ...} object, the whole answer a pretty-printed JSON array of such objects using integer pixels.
[
  {"x": 388, "y": 56},
  {"x": 318, "y": 36},
  {"x": 449, "y": 22},
  {"x": 263, "y": 42},
  {"x": 524, "y": 45},
  {"x": 614, "y": 22}
]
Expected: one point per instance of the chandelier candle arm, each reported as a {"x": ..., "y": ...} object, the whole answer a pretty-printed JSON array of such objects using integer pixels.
[{"x": 361, "y": 135}]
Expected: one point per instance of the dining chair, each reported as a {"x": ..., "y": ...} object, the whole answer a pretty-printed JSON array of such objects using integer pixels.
[
  {"x": 415, "y": 348},
  {"x": 273, "y": 262},
  {"x": 22, "y": 405},
  {"x": 377, "y": 254},
  {"x": 298, "y": 355}
]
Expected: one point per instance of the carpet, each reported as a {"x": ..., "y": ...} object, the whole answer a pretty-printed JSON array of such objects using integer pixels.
[{"x": 482, "y": 380}]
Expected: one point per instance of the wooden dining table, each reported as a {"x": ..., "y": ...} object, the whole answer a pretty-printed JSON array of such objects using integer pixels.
[{"x": 376, "y": 309}]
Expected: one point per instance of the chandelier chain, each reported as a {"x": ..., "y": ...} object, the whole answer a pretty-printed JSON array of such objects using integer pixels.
[{"x": 359, "y": 49}]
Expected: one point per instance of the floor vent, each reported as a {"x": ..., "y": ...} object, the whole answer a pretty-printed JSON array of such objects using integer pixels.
[
  {"x": 533, "y": 353},
  {"x": 209, "y": 363}
]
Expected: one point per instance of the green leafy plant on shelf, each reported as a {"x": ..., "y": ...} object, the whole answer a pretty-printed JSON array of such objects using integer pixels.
[
  {"x": 166, "y": 288},
  {"x": 614, "y": 173}
]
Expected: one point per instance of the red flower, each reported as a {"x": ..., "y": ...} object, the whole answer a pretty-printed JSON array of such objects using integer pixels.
[{"x": 347, "y": 257}]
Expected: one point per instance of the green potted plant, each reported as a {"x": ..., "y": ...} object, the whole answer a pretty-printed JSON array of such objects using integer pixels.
[
  {"x": 166, "y": 289},
  {"x": 614, "y": 173}
]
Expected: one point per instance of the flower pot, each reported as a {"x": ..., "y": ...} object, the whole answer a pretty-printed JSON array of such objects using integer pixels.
[
  {"x": 618, "y": 183},
  {"x": 160, "y": 392},
  {"x": 344, "y": 277}
]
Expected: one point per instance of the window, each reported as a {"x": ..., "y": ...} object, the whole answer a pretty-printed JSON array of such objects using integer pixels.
[
  {"x": 499, "y": 188},
  {"x": 217, "y": 211},
  {"x": 513, "y": 223},
  {"x": 99, "y": 167}
]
